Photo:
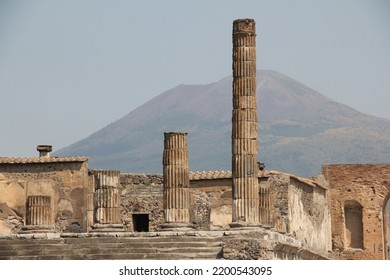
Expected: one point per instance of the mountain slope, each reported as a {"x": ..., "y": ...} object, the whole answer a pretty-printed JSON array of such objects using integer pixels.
[{"x": 299, "y": 129}]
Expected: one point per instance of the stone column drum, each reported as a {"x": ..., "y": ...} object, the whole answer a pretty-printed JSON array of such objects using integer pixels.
[
  {"x": 39, "y": 214},
  {"x": 176, "y": 182},
  {"x": 245, "y": 207},
  {"x": 107, "y": 205},
  {"x": 266, "y": 217}
]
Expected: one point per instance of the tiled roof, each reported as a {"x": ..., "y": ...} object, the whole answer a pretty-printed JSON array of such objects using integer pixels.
[
  {"x": 202, "y": 175},
  {"x": 15, "y": 160},
  {"x": 208, "y": 175},
  {"x": 307, "y": 181}
]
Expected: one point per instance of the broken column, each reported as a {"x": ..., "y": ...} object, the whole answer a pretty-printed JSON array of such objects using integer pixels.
[
  {"x": 106, "y": 199},
  {"x": 245, "y": 189},
  {"x": 176, "y": 182},
  {"x": 265, "y": 198},
  {"x": 38, "y": 214}
]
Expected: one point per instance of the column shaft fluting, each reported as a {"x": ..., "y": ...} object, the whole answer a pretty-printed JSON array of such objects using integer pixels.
[
  {"x": 176, "y": 181},
  {"x": 245, "y": 207},
  {"x": 107, "y": 197},
  {"x": 38, "y": 210},
  {"x": 266, "y": 218},
  {"x": 107, "y": 203}
]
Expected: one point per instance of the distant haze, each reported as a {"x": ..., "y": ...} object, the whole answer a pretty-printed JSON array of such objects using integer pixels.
[
  {"x": 299, "y": 130},
  {"x": 69, "y": 68}
]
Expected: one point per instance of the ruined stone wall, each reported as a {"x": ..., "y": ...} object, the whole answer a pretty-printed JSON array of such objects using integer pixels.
[
  {"x": 265, "y": 244},
  {"x": 309, "y": 215},
  {"x": 211, "y": 203},
  {"x": 65, "y": 183},
  {"x": 142, "y": 194},
  {"x": 300, "y": 208},
  {"x": 358, "y": 191}
]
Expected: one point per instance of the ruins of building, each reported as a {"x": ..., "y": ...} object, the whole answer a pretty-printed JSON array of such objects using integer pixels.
[
  {"x": 49, "y": 204},
  {"x": 360, "y": 221}
]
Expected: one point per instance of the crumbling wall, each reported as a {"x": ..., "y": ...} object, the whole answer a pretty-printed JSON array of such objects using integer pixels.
[
  {"x": 267, "y": 245},
  {"x": 300, "y": 208},
  {"x": 211, "y": 203},
  {"x": 309, "y": 215},
  {"x": 10, "y": 221},
  {"x": 367, "y": 185},
  {"x": 142, "y": 194},
  {"x": 279, "y": 184},
  {"x": 65, "y": 182}
]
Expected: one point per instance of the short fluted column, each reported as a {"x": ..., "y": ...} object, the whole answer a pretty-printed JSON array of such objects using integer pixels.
[
  {"x": 176, "y": 182},
  {"x": 245, "y": 188},
  {"x": 38, "y": 214},
  {"x": 106, "y": 199},
  {"x": 266, "y": 203}
]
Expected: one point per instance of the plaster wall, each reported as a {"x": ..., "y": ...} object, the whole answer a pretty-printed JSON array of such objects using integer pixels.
[
  {"x": 369, "y": 186},
  {"x": 65, "y": 182},
  {"x": 309, "y": 215}
]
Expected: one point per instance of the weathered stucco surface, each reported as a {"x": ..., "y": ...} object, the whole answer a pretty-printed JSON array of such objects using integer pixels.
[
  {"x": 64, "y": 181},
  {"x": 361, "y": 191},
  {"x": 309, "y": 215},
  {"x": 299, "y": 206}
]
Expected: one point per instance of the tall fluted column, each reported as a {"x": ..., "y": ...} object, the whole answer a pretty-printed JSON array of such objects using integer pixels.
[
  {"x": 107, "y": 205},
  {"x": 176, "y": 182},
  {"x": 245, "y": 208}
]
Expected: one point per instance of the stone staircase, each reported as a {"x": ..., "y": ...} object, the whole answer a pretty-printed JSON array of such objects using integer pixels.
[{"x": 112, "y": 248}]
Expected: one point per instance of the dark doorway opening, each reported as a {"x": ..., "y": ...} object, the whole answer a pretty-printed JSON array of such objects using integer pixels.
[{"x": 141, "y": 222}]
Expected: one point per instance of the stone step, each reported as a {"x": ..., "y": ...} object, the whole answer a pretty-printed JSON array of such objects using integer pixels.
[
  {"x": 112, "y": 248},
  {"x": 156, "y": 256},
  {"x": 102, "y": 254},
  {"x": 173, "y": 239},
  {"x": 120, "y": 256},
  {"x": 98, "y": 250},
  {"x": 32, "y": 241},
  {"x": 113, "y": 242}
]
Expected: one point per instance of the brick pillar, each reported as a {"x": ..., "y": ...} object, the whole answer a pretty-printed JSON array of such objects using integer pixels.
[
  {"x": 106, "y": 200},
  {"x": 39, "y": 214},
  {"x": 176, "y": 182},
  {"x": 245, "y": 207}
]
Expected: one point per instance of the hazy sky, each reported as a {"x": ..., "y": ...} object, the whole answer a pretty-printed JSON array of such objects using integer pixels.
[{"x": 69, "y": 68}]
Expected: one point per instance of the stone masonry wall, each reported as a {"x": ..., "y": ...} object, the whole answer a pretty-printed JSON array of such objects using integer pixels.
[
  {"x": 211, "y": 204},
  {"x": 210, "y": 201},
  {"x": 65, "y": 182},
  {"x": 267, "y": 245},
  {"x": 300, "y": 208},
  {"x": 365, "y": 188},
  {"x": 142, "y": 194},
  {"x": 309, "y": 215}
]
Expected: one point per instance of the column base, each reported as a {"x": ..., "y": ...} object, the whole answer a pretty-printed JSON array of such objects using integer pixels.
[
  {"x": 176, "y": 227},
  {"x": 107, "y": 228},
  {"x": 37, "y": 229},
  {"x": 244, "y": 226}
]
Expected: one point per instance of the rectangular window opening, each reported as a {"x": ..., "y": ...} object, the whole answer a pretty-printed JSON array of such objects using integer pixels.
[{"x": 141, "y": 222}]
